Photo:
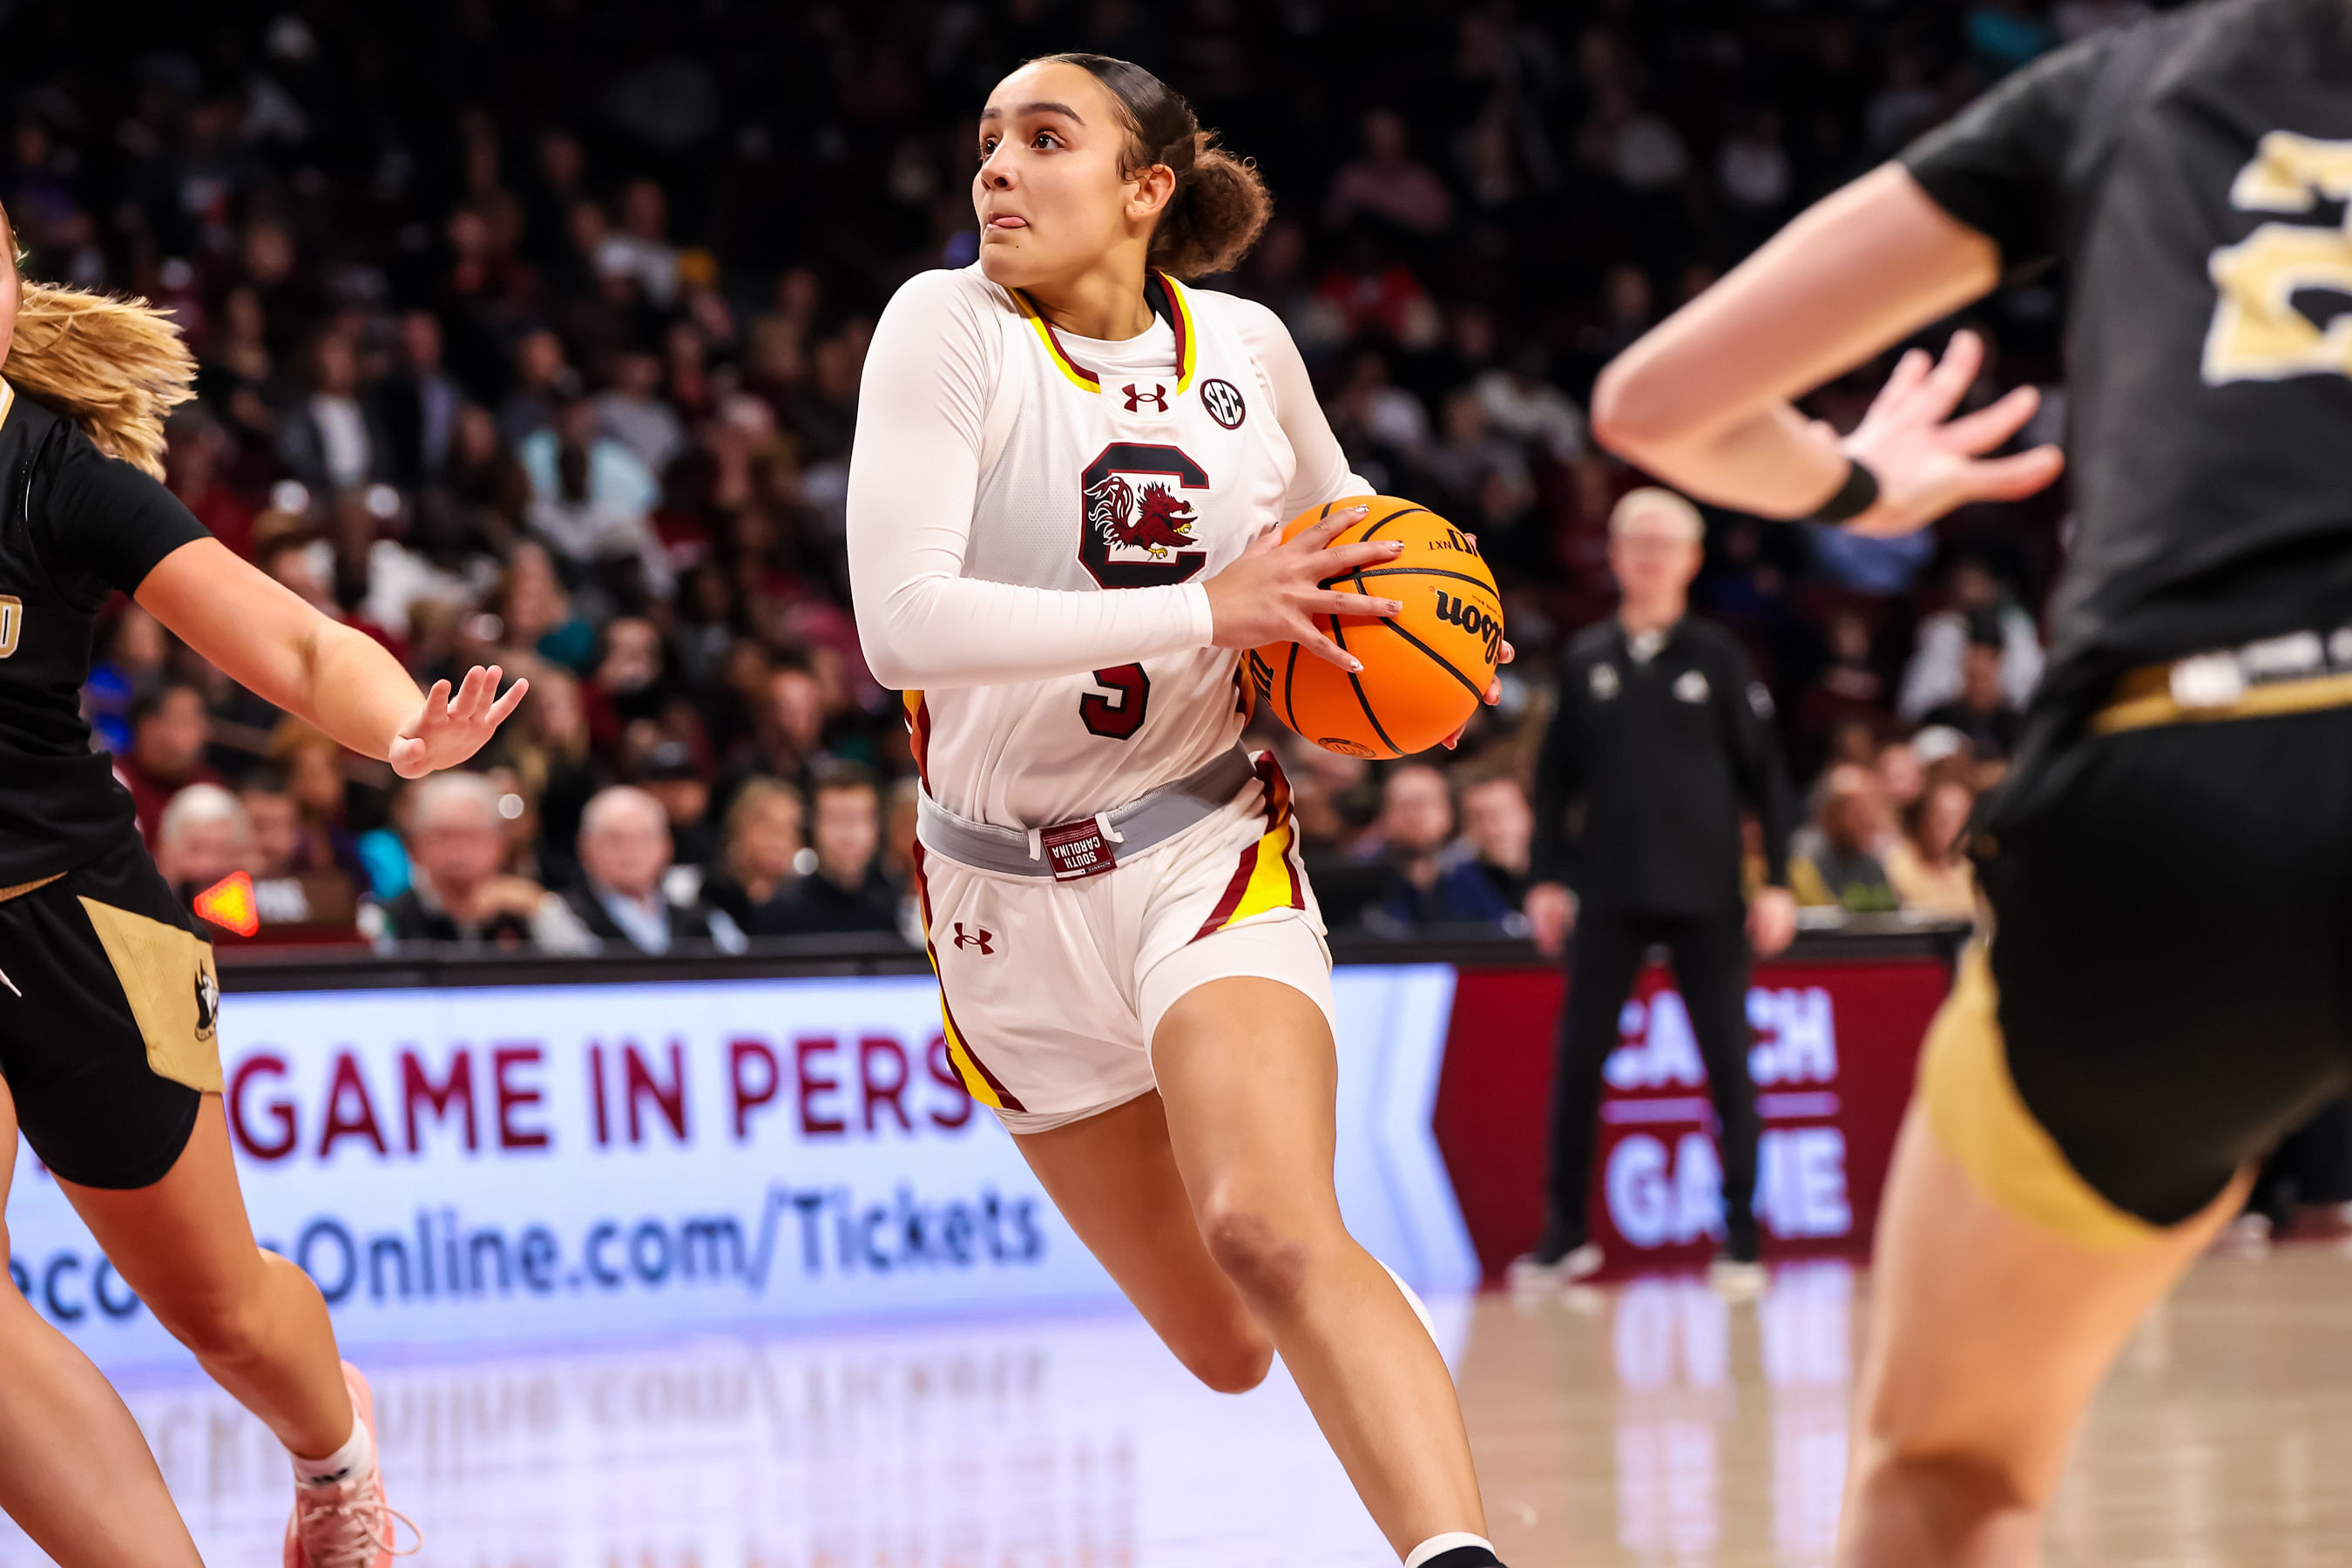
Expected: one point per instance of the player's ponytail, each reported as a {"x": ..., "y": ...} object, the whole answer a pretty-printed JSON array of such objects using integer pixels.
[
  {"x": 114, "y": 367},
  {"x": 1220, "y": 205}
]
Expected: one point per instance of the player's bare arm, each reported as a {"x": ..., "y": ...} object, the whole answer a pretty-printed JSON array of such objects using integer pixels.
[
  {"x": 267, "y": 638},
  {"x": 1705, "y": 400}
]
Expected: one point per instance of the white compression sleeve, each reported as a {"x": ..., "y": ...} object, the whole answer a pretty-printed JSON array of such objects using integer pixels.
[
  {"x": 914, "y": 473},
  {"x": 1322, "y": 474}
]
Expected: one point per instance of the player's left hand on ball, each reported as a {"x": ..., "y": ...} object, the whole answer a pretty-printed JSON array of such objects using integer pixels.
[
  {"x": 1928, "y": 463},
  {"x": 448, "y": 730},
  {"x": 1493, "y": 688}
]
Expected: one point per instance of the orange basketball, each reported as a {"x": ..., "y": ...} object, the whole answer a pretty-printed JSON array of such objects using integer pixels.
[{"x": 1425, "y": 670}]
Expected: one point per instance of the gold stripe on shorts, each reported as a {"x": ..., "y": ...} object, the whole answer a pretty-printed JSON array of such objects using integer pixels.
[
  {"x": 2144, "y": 701},
  {"x": 1975, "y": 1113}
]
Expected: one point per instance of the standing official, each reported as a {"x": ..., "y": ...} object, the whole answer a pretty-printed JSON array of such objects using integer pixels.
[{"x": 1661, "y": 735}]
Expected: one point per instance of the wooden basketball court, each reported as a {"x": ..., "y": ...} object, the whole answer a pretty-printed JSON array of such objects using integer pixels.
[{"x": 1650, "y": 1423}]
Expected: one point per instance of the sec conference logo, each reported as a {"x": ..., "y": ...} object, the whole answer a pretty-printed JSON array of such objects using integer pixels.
[{"x": 1223, "y": 401}]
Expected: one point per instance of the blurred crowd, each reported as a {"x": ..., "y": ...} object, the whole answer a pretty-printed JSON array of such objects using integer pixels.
[{"x": 530, "y": 333}]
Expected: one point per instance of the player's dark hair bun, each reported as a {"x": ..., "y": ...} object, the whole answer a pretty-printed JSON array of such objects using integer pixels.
[{"x": 1220, "y": 205}]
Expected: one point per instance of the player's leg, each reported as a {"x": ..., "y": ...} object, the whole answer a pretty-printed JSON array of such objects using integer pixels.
[
  {"x": 258, "y": 1324},
  {"x": 75, "y": 1474},
  {"x": 1114, "y": 1177},
  {"x": 2161, "y": 1001},
  {"x": 1248, "y": 1072},
  {"x": 1710, "y": 957},
  {"x": 255, "y": 1321},
  {"x": 1990, "y": 1336}
]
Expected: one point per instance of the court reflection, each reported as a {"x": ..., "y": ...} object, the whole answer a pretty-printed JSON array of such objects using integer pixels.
[{"x": 1651, "y": 1423}]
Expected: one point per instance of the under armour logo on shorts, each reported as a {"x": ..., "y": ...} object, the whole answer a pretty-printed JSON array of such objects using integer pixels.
[
  {"x": 980, "y": 941},
  {"x": 1157, "y": 397}
]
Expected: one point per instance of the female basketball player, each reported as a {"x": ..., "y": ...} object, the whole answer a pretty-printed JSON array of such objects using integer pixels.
[
  {"x": 1130, "y": 963},
  {"x": 2162, "y": 998},
  {"x": 108, "y": 1055}
]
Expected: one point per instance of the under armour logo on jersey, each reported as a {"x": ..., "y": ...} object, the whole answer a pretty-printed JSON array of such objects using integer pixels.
[
  {"x": 1157, "y": 397},
  {"x": 980, "y": 939}
]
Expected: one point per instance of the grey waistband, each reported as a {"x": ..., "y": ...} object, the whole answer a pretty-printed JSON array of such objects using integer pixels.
[{"x": 1126, "y": 831}]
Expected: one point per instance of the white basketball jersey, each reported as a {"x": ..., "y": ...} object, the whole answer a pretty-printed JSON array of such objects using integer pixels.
[{"x": 1096, "y": 476}]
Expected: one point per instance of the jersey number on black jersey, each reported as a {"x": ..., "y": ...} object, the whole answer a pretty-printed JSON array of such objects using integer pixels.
[
  {"x": 2258, "y": 334},
  {"x": 12, "y": 623}
]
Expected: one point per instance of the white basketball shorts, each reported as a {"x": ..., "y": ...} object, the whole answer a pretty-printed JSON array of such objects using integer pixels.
[{"x": 1051, "y": 990}]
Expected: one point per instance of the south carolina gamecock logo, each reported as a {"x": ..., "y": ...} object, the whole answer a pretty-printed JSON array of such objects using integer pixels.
[
  {"x": 1139, "y": 526},
  {"x": 1162, "y": 523}
]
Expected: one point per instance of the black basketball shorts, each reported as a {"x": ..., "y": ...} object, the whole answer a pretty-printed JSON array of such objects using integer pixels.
[
  {"x": 108, "y": 1020},
  {"x": 2164, "y": 994}
]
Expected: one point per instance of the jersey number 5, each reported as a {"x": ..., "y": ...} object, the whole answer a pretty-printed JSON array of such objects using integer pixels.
[
  {"x": 1119, "y": 716},
  {"x": 2258, "y": 334}
]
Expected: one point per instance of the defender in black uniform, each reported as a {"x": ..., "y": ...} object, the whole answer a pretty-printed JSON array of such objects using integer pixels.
[
  {"x": 109, "y": 1056},
  {"x": 2162, "y": 995}
]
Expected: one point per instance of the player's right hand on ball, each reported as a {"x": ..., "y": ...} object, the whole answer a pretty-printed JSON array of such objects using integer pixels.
[{"x": 1269, "y": 594}]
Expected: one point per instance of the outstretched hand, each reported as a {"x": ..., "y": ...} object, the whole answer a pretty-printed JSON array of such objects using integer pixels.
[
  {"x": 1928, "y": 463},
  {"x": 448, "y": 730}
]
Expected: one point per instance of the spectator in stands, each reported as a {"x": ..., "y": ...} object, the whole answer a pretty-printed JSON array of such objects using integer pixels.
[
  {"x": 669, "y": 774},
  {"x": 418, "y": 405},
  {"x": 1939, "y": 651},
  {"x": 845, "y": 890},
  {"x": 1387, "y": 183},
  {"x": 624, "y": 853},
  {"x": 1982, "y": 713},
  {"x": 1838, "y": 864},
  {"x": 332, "y": 440},
  {"x": 1426, "y": 885},
  {"x": 279, "y": 846},
  {"x": 202, "y": 836},
  {"x": 633, "y": 412},
  {"x": 543, "y": 381},
  {"x": 169, "y": 727},
  {"x": 1519, "y": 400},
  {"x": 591, "y": 499},
  {"x": 1928, "y": 864},
  {"x": 461, "y": 891},
  {"x": 1500, "y": 827},
  {"x": 314, "y": 765},
  {"x": 764, "y": 852}
]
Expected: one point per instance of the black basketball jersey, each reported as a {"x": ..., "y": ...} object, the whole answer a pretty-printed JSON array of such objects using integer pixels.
[
  {"x": 75, "y": 526},
  {"x": 2193, "y": 170}
]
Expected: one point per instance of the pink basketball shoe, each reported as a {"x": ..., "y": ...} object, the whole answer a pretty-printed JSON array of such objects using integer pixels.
[{"x": 345, "y": 1523}]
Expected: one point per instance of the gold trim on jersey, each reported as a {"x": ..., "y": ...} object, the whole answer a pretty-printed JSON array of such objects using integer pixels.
[
  {"x": 1179, "y": 322},
  {"x": 8, "y": 401}
]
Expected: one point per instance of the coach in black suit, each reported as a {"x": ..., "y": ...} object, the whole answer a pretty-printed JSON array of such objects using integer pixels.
[{"x": 1662, "y": 736}]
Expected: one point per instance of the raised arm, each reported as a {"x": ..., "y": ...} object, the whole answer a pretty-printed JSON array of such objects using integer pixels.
[
  {"x": 262, "y": 636},
  {"x": 1705, "y": 400}
]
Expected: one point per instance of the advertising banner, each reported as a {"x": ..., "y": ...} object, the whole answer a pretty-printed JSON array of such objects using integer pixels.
[
  {"x": 1834, "y": 1048},
  {"x": 502, "y": 1165}
]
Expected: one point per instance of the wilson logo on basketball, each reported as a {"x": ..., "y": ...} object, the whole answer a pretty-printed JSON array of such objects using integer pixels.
[{"x": 1455, "y": 611}]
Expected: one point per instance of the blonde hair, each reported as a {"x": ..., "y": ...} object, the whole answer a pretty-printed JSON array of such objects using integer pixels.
[
  {"x": 114, "y": 367},
  {"x": 1653, "y": 500}
]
